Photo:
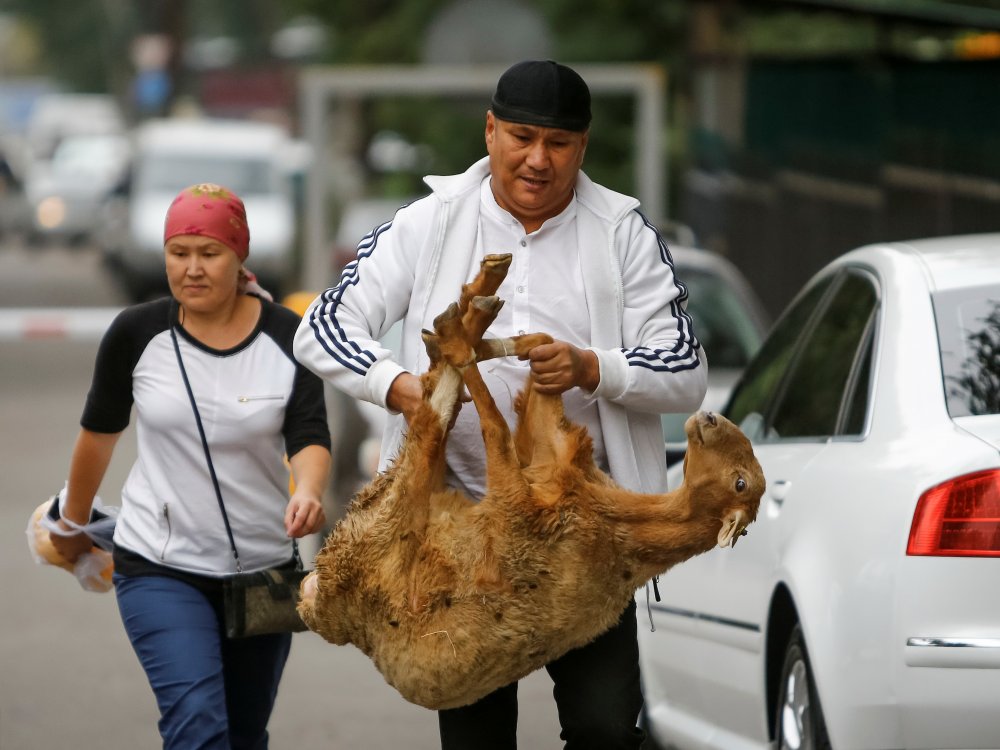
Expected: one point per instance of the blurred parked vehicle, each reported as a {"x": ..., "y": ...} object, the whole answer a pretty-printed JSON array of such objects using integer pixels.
[
  {"x": 55, "y": 116},
  {"x": 859, "y": 611},
  {"x": 67, "y": 193},
  {"x": 357, "y": 220},
  {"x": 250, "y": 158},
  {"x": 729, "y": 320},
  {"x": 13, "y": 206}
]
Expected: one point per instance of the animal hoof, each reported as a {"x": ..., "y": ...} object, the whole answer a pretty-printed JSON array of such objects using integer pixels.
[
  {"x": 489, "y": 305},
  {"x": 308, "y": 589},
  {"x": 497, "y": 261},
  {"x": 431, "y": 345},
  {"x": 446, "y": 317}
]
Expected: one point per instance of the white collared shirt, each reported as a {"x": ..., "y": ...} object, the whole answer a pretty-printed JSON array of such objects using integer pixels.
[{"x": 543, "y": 291}]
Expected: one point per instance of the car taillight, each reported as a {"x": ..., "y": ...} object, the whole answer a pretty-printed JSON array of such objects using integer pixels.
[{"x": 959, "y": 518}]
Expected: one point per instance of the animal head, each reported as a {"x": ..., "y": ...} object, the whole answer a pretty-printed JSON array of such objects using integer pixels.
[{"x": 722, "y": 474}]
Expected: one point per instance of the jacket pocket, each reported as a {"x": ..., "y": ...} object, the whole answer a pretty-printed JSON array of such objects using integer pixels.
[{"x": 166, "y": 521}]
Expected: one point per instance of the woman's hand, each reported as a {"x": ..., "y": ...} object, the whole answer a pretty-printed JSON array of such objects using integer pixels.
[
  {"x": 91, "y": 456},
  {"x": 70, "y": 547},
  {"x": 304, "y": 512},
  {"x": 304, "y": 515}
]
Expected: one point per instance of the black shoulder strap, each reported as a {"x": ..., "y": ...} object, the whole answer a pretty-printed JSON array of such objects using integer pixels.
[{"x": 208, "y": 454}]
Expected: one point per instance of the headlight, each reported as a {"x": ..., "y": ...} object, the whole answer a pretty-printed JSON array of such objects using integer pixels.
[{"x": 51, "y": 212}]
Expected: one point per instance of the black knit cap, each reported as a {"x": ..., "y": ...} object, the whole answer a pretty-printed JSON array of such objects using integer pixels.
[{"x": 543, "y": 92}]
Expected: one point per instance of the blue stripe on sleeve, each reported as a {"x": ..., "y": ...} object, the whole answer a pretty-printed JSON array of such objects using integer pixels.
[
  {"x": 323, "y": 319},
  {"x": 683, "y": 354}
]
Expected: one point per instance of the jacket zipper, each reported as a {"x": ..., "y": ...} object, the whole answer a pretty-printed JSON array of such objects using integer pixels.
[{"x": 166, "y": 517}]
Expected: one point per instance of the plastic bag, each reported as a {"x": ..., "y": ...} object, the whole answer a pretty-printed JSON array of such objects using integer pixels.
[{"x": 92, "y": 569}]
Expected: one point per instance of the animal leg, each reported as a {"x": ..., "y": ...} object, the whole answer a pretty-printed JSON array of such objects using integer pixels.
[
  {"x": 503, "y": 472},
  {"x": 449, "y": 348},
  {"x": 419, "y": 469},
  {"x": 492, "y": 272},
  {"x": 455, "y": 341},
  {"x": 515, "y": 346},
  {"x": 545, "y": 436},
  {"x": 457, "y": 332}
]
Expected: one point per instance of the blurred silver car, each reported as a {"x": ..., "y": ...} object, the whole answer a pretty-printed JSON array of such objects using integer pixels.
[
  {"x": 359, "y": 218},
  {"x": 729, "y": 320},
  {"x": 860, "y": 611},
  {"x": 67, "y": 193},
  {"x": 253, "y": 159}
]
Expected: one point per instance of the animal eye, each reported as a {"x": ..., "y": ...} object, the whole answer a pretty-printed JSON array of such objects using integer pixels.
[{"x": 741, "y": 484}]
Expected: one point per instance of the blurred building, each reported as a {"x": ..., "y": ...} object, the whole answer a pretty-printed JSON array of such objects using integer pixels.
[{"x": 820, "y": 125}]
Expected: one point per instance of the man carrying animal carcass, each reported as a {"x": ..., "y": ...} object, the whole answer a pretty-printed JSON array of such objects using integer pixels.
[{"x": 588, "y": 268}]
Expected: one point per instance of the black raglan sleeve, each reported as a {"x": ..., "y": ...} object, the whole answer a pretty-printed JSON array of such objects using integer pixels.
[
  {"x": 305, "y": 413},
  {"x": 305, "y": 416},
  {"x": 109, "y": 401}
]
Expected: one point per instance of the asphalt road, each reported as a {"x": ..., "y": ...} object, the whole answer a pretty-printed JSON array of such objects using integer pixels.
[{"x": 68, "y": 677}]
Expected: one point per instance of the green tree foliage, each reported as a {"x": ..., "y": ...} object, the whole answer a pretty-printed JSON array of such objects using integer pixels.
[
  {"x": 372, "y": 32},
  {"x": 77, "y": 38},
  {"x": 585, "y": 31}
]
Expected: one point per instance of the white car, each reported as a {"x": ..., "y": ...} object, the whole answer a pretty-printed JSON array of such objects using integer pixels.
[{"x": 861, "y": 611}]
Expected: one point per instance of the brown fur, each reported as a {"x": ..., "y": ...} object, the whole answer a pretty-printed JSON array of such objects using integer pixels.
[{"x": 452, "y": 599}]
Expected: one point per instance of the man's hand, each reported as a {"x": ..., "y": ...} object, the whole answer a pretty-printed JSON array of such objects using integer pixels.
[
  {"x": 405, "y": 395},
  {"x": 559, "y": 366}
]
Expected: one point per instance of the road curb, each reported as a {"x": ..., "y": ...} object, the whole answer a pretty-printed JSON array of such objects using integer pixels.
[{"x": 34, "y": 323}]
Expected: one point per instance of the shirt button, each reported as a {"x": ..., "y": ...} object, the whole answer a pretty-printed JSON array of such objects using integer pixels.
[
  {"x": 520, "y": 289},
  {"x": 524, "y": 243},
  {"x": 521, "y": 332}
]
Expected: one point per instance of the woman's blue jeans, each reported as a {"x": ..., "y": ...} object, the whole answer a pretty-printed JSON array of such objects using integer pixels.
[{"x": 213, "y": 692}]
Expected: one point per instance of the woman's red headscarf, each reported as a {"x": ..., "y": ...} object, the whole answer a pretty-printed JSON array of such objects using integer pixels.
[{"x": 210, "y": 211}]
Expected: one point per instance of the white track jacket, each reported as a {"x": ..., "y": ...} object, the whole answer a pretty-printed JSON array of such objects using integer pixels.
[{"x": 412, "y": 267}]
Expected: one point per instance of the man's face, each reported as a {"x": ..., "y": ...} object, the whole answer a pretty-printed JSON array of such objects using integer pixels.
[{"x": 533, "y": 168}]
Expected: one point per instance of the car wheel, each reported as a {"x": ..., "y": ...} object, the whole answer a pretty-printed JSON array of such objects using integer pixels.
[{"x": 799, "y": 723}]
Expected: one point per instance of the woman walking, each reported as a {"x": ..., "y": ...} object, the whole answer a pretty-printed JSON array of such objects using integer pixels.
[{"x": 256, "y": 405}]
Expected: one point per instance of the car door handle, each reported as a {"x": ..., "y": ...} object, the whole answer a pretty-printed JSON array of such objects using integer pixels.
[{"x": 778, "y": 490}]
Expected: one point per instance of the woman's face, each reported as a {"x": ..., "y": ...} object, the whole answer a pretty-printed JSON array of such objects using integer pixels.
[{"x": 203, "y": 274}]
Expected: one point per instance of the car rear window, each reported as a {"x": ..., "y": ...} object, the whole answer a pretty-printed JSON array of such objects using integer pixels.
[{"x": 968, "y": 322}]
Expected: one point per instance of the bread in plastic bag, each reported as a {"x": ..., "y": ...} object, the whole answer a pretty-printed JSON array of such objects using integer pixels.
[{"x": 92, "y": 569}]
